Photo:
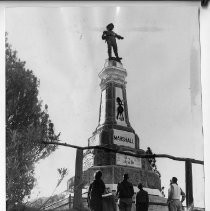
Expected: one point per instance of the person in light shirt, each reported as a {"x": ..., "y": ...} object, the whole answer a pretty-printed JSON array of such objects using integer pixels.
[
  {"x": 174, "y": 195},
  {"x": 125, "y": 193}
]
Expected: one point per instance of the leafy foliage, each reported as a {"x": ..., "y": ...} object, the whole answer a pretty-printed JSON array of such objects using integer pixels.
[
  {"x": 27, "y": 126},
  {"x": 62, "y": 173}
]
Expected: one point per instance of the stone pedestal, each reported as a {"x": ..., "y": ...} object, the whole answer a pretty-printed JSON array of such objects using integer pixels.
[
  {"x": 156, "y": 203},
  {"x": 113, "y": 174},
  {"x": 115, "y": 131}
]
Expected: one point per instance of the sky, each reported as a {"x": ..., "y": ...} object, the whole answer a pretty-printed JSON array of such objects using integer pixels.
[{"x": 161, "y": 54}]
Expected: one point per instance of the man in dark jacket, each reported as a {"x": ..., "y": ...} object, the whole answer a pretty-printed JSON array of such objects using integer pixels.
[
  {"x": 96, "y": 189},
  {"x": 125, "y": 193},
  {"x": 142, "y": 199},
  {"x": 110, "y": 37}
]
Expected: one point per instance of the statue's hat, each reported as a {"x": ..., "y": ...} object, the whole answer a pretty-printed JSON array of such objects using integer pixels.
[{"x": 110, "y": 26}]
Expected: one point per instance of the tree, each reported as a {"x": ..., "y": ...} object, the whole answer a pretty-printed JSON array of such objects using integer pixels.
[{"x": 27, "y": 126}]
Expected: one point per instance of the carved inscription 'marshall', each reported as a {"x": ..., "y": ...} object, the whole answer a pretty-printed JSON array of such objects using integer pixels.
[{"x": 124, "y": 138}]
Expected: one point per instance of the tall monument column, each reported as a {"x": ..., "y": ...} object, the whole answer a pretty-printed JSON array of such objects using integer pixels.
[
  {"x": 113, "y": 108},
  {"x": 114, "y": 127},
  {"x": 114, "y": 131}
]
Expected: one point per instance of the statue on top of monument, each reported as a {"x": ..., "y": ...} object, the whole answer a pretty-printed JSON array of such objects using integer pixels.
[{"x": 110, "y": 37}]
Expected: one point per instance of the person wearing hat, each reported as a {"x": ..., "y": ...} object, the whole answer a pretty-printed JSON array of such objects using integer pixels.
[
  {"x": 110, "y": 37},
  {"x": 174, "y": 194},
  {"x": 96, "y": 189},
  {"x": 125, "y": 193},
  {"x": 142, "y": 199}
]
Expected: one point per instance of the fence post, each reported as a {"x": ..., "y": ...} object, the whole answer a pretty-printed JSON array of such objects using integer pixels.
[
  {"x": 69, "y": 201},
  {"x": 189, "y": 183},
  {"x": 77, "y": 202}
]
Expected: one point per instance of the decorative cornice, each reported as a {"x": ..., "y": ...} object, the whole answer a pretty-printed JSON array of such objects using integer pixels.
[{"x": 113, "y": 71}]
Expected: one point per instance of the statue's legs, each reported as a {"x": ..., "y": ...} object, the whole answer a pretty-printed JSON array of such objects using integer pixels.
[
  {"x": 114, "y": 46},
  {"x": 109, "y": 50},
  {"x": 115, "y": 50}
]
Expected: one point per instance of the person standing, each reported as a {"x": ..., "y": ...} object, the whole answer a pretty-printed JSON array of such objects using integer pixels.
[
  {"x": 174, "y": 194},
  {"x": 125, "y": 193},
  {"x": 142, "y": 199},
  {"x": 96, "y": 189}
]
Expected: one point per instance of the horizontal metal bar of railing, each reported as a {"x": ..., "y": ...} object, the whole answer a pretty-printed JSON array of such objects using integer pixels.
[
  {"x": 48, "y": 206},
  {"x": 56, "y": 202},
  {"x": 62, "y": 205},
  {"x": 128, "y": 153}
]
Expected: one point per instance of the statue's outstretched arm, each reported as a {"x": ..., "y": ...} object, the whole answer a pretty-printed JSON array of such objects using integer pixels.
[{"x": 119, "y": 37}]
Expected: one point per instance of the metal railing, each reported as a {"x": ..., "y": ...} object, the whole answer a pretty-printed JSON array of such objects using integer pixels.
[
  {"x": 117, "y": 149},
  {"x": 69, "y": 204},
  {"x": 53, "y": 205}
]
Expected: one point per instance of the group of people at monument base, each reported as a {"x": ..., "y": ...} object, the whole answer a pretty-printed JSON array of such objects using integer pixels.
[{"x": 125, "y": 193}]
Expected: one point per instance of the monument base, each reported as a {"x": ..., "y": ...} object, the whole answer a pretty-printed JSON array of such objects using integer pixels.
[
  {"x": 113, "y": 174},
  {"x": 156, "y": 203}
]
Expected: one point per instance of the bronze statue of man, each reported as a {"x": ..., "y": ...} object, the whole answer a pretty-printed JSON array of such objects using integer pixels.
[{"x": 110, "y": 37}]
